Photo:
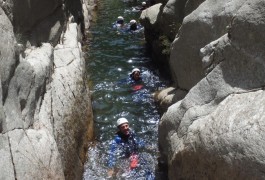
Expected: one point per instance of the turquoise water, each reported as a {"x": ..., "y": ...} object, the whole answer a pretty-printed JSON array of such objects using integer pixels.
[{"x": 110, "y": 59}]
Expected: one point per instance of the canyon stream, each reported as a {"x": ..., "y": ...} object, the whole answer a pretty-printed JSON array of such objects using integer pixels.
[{"x": 110, "y": 58}]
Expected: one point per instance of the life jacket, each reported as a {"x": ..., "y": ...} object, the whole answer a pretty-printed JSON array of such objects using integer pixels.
[
  {"x": 127, "y": 143},
  {"x": 133, "y": 27}
]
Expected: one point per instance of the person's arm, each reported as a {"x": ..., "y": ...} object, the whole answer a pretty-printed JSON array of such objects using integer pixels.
[
  {"x": 111, "y": 161},
  {"x": 138, "y": 141},
  {"x": 112, "y": 157}
]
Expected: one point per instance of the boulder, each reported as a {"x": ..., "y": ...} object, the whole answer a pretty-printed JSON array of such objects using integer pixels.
[
  {"x": 34, "y": 23},
  {"x": 49, "y": 29},
  {"x": 71, "y": 104},
  {"x": 149, "y": 19},
  {"x": 7, "y": 6},
  {"x": 29, "y": 153},
  {"x": 45, "y": 109},
  {"x": 162, "y": 23},
  {"x": 171, "y": 18},
  {"x": 166, "y": 97},
  {"x": 35, "y": 155},
  {"x": 28, "y": 13},
  {"x": 6, "y": 162},
  {"x": 205, "y": 24},
  {"x": 27, "y": 87},
  {"x": 8, "y": 59},
  {"x": 157, "y": 42},
  {"x": 2, "y": 113},
  {"x": 88, "y": 8},
  {"x": 216, "y": 131},
  {"x": 191, "y": 5},
  {"x": 48, "y": 105}
]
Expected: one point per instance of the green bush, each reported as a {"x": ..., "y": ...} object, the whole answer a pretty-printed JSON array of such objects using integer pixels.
[{"x": 165, "y": 44}]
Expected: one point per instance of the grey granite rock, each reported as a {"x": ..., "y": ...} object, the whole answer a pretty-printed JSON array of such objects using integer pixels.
[
  {"x": 205, "y": 24},
  {"x": 45, "y": 109},
  {"x": 216, "y": 131}
]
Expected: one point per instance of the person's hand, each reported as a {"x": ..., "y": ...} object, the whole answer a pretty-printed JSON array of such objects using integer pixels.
[{"x": 110, "y": 172}]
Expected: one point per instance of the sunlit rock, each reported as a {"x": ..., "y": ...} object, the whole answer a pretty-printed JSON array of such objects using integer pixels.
[
  {"x": 167, "y": 97},
  {"x": 216, "y": 131},
  {"x": 205, "y": 24},
  {"x": 6, "y": 162},
  {"x": 26, "y": 88},
  {"x": 69, "y": 100},
  {"x": 7, "y": 53},
  {"x": 35, "y": 155},
  {"x": 45, "y": 109}
]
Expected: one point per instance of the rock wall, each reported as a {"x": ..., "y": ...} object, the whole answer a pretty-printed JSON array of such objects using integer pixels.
[
  {"x": 210, "y": 20},
  {"x": 161, "y": 22},
  {"x": 45, "y": 109},
  {"x": 216, "y": 130}
]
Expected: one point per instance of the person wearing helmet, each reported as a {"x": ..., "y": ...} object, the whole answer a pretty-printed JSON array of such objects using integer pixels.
[
  {"x": 119, "y": 23},
  {"x": 120, "y": 20},
  {"x": 136, "y": 74},
  {"x": 136, "y": 78},
  {"x": 144, "y": 6},
  {"x": 123, "y": 126},
  {"x": 133, "y": 25},
  {"x": 124, "y": 141}
]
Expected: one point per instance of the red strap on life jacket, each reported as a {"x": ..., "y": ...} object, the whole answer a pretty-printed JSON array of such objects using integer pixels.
[
  {"x": 137, "y": 87},
  {"x": 134, "y": 161}
]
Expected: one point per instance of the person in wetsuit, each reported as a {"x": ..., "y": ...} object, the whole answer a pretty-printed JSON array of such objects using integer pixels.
[
  {"x": 133, "y": 25},
  {"x": 136, "y": 79},
  {"x": 119, "y": 24},
  {"x": 144, "y": 6},
  {"x": 124, "y": 141}
]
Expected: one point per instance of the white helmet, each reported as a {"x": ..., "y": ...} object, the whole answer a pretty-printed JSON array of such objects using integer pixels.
[
  {"x": 121, "y": 121},
  {"x": 133, "y": 21},
  {"x": 143, "y": 3},
  {"x": 135, "y": 69},
  {"x": 120, "y": 18}
]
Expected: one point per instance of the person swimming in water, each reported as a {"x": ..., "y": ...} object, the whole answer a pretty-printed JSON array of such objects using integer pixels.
[
  {"x": 125, "y": 141},
  {"x": 119, "y": 23},
  {"x": 136, "y": 74},
  {"x": 136, "y": 79},
  {"x": 133, "y": 25},
  {"x": 144, "y": 6}
]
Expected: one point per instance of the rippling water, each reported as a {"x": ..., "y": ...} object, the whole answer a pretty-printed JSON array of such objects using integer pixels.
[{"x": 110, "y": 59}]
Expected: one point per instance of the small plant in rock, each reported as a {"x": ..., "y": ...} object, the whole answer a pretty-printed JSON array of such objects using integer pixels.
[
  {"x": 174, "y": 27},
  {"x": 165, "y": 43},
  {"x": 19, "y": 38}
]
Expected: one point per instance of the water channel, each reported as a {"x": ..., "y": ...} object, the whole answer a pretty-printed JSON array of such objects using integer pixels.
[{"x": 110, "y": 59}]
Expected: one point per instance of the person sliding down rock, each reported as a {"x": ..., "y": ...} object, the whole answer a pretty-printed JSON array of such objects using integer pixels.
[{"x": 125, "y": 145}]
